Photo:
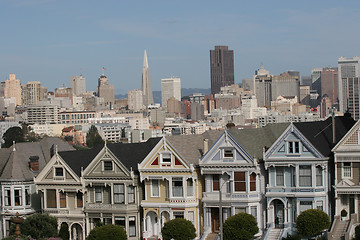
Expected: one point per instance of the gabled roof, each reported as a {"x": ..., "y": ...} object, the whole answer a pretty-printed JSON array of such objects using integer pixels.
[
  {"x": 191, "y": 147},
  {"x": 319, "y": 133},
  {"x": 14, "y": 165},
  {"x": 129, "y": 154},
  {"x": 253, "y": 140}
]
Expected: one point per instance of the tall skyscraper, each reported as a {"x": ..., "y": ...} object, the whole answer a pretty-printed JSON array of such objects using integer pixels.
[
  {"x": 329, "y": 84},
  {"x": 353, "y": 94},
  {"x": 105, "y": 90},
  {"x": 146, "y": 84},
  {"x": 286, "y": 84},
  {"x": 221, "y": 68},
  {"x": 78, "y": 85},
  {"x": 12, "y": 89},
  {"x": 170, "y": 87},
  {"x": 347, "y": 68}
]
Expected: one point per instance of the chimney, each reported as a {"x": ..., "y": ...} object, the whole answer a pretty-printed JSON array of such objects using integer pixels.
[
  {"x": 206, "y": 145},
  {"x": 34, "y": 163},
  {"x": 333, "y": 125}
]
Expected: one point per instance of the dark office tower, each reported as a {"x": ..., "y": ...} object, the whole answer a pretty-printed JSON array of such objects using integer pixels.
[{"x": 221, "y": 67}]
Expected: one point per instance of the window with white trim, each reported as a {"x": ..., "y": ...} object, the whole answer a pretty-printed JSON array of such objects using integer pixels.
[
  {"x": 347, "y": 170},
  {"x": 119, "y": 193},
  {"x": 254, "y": 212},
  {"x": 165, "y": 157},
  {"x": 178, "y": 214},
  {"x": 177, "y": 187},
  {"x": 191, "y": 216},
  {"x": 27, "y": 196},
  {"x": 190, "y": 187},
  {"x": 155, "y": 187},
  {"x": 131, "y": 194},
  {"x": 108, "y": 165},
  {"x": 98, "y": 194},
  {"x": 305, "y": 175},
  {"x": 293, "y": 147},
  {"x": 279, "y": 176},
  {"x": 319, "y": 205},
  {"x": 7, "y": 196},
  {"x": 18, "y": 197},
  {"x": 59, "y": 172},
  {"x": 319, "y": 178},
  {"x": 305, "y": 205},
  {"x": 132, "y": 226},
  {"x": 228, "y": 153}
]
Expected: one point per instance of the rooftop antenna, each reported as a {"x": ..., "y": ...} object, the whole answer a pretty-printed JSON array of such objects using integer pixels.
[{"x": 103, "y": 71}]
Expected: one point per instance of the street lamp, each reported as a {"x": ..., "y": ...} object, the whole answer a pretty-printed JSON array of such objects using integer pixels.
[{"x": 220, "y": 209}]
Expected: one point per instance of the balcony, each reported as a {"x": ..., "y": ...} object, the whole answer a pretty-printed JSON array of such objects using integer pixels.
[
  {"x": 214, "y": 196},
  {"x": 110, "y": 207}
]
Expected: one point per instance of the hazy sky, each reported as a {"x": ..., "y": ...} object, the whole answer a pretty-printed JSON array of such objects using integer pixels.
[{"x": 49, "y": 40}]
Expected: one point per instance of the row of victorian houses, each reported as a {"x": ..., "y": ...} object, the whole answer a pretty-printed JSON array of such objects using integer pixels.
[{"x": 273, "y": 173}]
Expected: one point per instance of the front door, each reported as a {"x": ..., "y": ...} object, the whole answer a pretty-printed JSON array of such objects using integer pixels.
[
  {"x": 279, "y": 213},
  {"x": 352, "y": 204},
  {"x": 215, "y": 223}
]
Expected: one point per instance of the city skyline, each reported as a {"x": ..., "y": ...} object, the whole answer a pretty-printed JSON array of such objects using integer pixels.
[{"x": 49, "y": 41}]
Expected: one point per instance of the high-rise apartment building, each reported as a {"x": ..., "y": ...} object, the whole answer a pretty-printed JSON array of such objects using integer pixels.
[
  {"x": 170, "y": 87},
  {"x": 135, "y": 100},
  {"x": 78, "y": 85},
  {"x": 33, "y": 92},
  {"x": 146, "y": 84},
  {"x": 221, "y": 68},
  {"x": 329, "y": 84},
  {"x": 347, "y": 68},
  {"x": 12, "y": 89},
  {"x": 105, "y": 90}
]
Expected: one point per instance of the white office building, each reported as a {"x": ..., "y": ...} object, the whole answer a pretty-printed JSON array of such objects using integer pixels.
[{"x": 170, "y": 87}]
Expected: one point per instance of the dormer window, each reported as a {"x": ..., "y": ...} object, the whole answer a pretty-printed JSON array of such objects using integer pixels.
[
  {"x": 108, "y": 165},
  {"x": 59, "y": 172},
  {"x": 294, "y": 147},
  {"x": 228, "y": 153},
  {"x": 165, "y": 157}
]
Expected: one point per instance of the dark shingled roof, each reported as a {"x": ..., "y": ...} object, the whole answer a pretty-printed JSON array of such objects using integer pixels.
[
  {"x": 129, "y": 154},
  {"x": 253, "y": 140},
  {"x": 320, "y": 133}
]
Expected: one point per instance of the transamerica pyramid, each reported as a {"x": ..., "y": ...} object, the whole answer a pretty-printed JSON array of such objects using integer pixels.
[{"x": 146, "y": 84}]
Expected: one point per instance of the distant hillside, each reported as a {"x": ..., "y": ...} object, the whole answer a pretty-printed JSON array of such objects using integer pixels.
[{"x": 184, "y": 92}]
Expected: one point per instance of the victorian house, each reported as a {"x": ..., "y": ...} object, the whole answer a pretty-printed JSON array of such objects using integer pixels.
[
  {"x": 299, "y": 171},
  {"x": 19, "y": 164},
  {"x": 347, "y": 184},
  {"x": 86, "y": 187},
  {"x": 172, "y": 181}
]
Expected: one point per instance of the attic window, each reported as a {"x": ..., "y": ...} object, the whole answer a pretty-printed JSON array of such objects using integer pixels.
[
  {"x": 165, "y": 157},
  {"x": 108, "y": 166},
  {"x": 228, "y": 153},
  {"x": 59, "y": 172}
]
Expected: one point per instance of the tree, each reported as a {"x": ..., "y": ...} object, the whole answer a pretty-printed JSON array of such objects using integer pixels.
[
  {"x": 178, "y": 229},
  {"x": 39, "y": 225},
  {"x": 109, "y": 232},
  {"x": 11, "y": 135},
  {"x": 64, "y": 231},
  {"x": 93, "y": 138},
  {"x": 311, "y": 222},
  {"x": 241, "y": 226}
]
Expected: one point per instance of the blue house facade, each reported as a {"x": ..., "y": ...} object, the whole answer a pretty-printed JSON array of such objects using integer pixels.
[{"x": 297, "y": 179}]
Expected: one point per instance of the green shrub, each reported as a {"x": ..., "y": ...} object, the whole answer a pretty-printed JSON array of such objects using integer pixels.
[
  {"x": 311, "y": 222},
  {"x": 178, "y": 229},
  {"x": 241, "y": 226},
  {"x": 357, "y": 232},
  {"x": 108, "y": 232},
  {"x": 64, "y": 231},
  {"x": 39, "y": 225}
]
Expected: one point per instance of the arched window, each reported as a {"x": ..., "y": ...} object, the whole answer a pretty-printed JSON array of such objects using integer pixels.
[{"x": 253, "y": 182}]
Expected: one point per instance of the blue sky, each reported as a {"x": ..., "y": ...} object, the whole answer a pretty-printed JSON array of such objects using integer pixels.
[{"x": 50, "y": 40}]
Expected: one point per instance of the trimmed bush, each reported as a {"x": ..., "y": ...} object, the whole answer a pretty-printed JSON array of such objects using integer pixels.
[
  {"x": 311, "y": 222},
  {"x": 241, "y": 226},
  {"x": 178, "y": 229},
  {"x": 108, "y": 232}
]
